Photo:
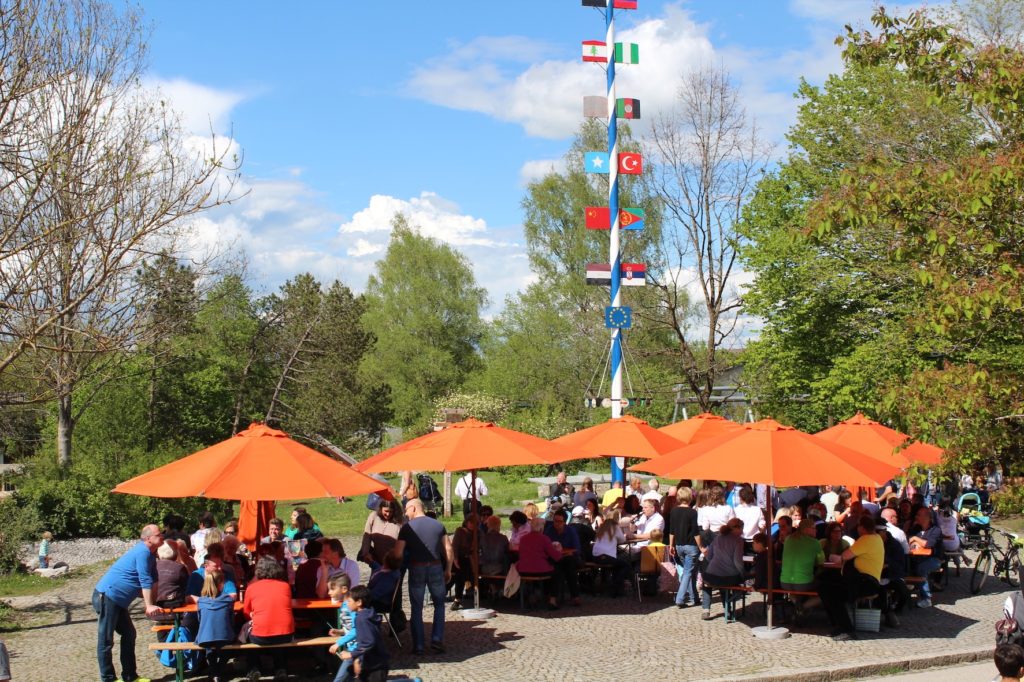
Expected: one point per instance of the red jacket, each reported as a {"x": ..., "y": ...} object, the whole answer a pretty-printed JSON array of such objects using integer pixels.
[
  {"x": 269, "y": 604},
  {"x": 535, "y": 550}
]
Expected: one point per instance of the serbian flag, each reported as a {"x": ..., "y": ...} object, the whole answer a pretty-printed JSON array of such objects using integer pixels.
[
  {"x": 599, "y": 273},
  {"x": 631, "y": 163},
  {"x": 633, "y": 274},
  {"x": 595, "y": 51},
  {"x": 599, "y": 218},
  {"x": 627, "y": 108}
]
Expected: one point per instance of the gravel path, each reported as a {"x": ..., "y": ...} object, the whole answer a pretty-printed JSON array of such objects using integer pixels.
[
  {"x": 80, "y": 552},
  {"x": 652, "y": 640}
]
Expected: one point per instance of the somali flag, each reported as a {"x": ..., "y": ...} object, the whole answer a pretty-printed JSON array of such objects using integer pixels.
[{"x": 595, "y": 162}]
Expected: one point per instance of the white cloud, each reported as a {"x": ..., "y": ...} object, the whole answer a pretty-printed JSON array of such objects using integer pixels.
[
  {"x": 363, "y": 248},
  {"x": 431, "y": 214},
  {"x": 202, "y": 108},
  {"x": 532, "y": 171}
]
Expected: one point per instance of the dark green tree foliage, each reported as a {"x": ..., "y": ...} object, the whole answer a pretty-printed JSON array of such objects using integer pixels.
[{"x": 423, "y": 307}]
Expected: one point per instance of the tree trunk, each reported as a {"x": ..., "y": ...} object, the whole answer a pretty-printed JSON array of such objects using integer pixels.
[{"x": 65, "y": 428}]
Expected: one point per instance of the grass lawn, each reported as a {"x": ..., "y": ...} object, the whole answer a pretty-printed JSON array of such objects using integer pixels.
[
  {"x": 505, "y": 493},
  {"x": 27, "y": 584}
]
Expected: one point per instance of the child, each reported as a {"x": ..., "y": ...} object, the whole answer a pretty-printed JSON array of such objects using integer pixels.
[
  {"x": 44, "y": 550},
  {"x": 1009, "y": 662},
  {"x": 369, "y": 654},
  {"x": 653, "y": 554},
  {"x": 338, "y": 588},
  {"x": 216, "y": 616},
  {"x": 760, "y": 542}
]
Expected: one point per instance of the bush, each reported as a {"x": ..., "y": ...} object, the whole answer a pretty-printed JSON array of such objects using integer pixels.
[
  {"x": 18, "y": 525},
  {"x": 1009, "y": 501}
]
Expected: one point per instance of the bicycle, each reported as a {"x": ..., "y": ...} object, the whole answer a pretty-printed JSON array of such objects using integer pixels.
[{"x": 1005, "y": 564}]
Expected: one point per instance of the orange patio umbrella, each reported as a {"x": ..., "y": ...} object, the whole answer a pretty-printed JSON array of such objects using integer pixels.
[
  {"x": 768, "y": 452},
  {"x": 699, "y": 428},
  {"x": 624, "y": 436},
  {"x": 924, "y": 453},
  {"x": 869, "y": 437},
  {"x": 259, "y": 464},
  {"x": 467, "y": 446}
]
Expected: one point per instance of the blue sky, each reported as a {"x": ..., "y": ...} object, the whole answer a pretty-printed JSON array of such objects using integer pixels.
[{"x": 348, "y": 112}]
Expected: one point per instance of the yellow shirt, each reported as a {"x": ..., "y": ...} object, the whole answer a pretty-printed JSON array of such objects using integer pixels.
[
  {"x": 651, "y": 556},
  {"x": 610, "y": 496},
  {"x": 869, "y": 555}
]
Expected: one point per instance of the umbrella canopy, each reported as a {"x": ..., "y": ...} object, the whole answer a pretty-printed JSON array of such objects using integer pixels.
[
  {"x": 700, "y": 428},
  {"x": 923, "y": 453},
  {"x": 869, "y": 437},
  {"x": 768, "y": 452},
  {"x": 259, "y": 463},
  {"x": 624, "y": 436},
  {"x": 465, "y": 446}
]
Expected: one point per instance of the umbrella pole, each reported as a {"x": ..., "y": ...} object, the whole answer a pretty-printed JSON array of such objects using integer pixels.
[
  {"x": 770, "y": 632},
  {"x": 476, "y": 613}
]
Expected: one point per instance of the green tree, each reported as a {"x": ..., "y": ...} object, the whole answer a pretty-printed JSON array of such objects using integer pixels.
[{"x": 423, "y": 308}]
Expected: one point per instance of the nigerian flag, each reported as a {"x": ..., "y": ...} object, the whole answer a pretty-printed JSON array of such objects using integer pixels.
[{"x": 627, "y": 53}]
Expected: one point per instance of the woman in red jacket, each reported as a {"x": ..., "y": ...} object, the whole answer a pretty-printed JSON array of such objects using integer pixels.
[{"x": 268, "y": 603}]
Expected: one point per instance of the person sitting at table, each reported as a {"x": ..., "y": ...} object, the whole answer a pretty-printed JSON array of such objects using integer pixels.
[
  {"x": 816, "y": 513},
  {"x": 862, "y": 571},
  {"x": 585, "y": 492},
  {"x": 833, "y": 544},
  {"x": 851, "y": 520},
  {"x": 279, "y": 552},
  {"x": 275, "y": 531},
  {"x": 584, "y": 531},
  {"x": 636, "y": 487},
  {"x": 605, "y": 552},
  {"x": 494, "y": 547},
  {"x": 717, "y": 513},
  {"x": 304, "y": 585},
  {"x": 182, "y": 555},
  {"x": 890, "y": 517},
  {"x": 383, "y": 581},
  {"x": 592, "y": 513},
  {"x": 462, "y": 567},
  {"x": 561, "y": 488},
  {"x": 612, "y": 494},
  {"x": 750, "y": 514},
  {"x": 380, "y": 533},
  {"x": 760, "y": 571},
  {"x": 231, "y": 528},
  {"x": 334, "y": 561},
  {"x": 895, "y": 593},
  {"x": 235, "y": 563},
  {"x": 216, "y": 611},
  {"x": 653, "y": 491},
  {"x": 520, "y": 527},
  {"x": 538, "y": 556},
  {"x": 783, "y": 529},
  {"x": 214, "y": 561},
  {"x": 171, "y": 590},
  {"x": 212, "y": 535},
  {"x": 925, "y": 546},
  {"x": 631, "y": 508},
  {"x": 648, "y": 520},
  {"x": 564, "y": 535},
  {"x": 531, "y": 510},
  {"x": 305, "y": 529},
  {"x": 268, "y": 604},
  {"x": 723, "y": 562},
  {"x": 800, "y": 560},
  {"x": 947, "y": 520}
]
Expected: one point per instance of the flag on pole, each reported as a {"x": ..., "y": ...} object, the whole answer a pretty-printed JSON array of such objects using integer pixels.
[
  {"x": 595, "y": 106},
  {"x": 627, "y": 53},
  {"x": 596, "y": 162},
  {"x": 633, "y": 274},
  {"x": 595, "y": 51},
  {"x": 631, "y": 219},
  {"x": 599, "y": 273},
  {"x": 627, "y": 108},
  {"x": 624, "y": 4},
  {"x": 630, "y": 163},
  {"x": 618, "y": 317},
  {"x": 595, "y": 3},
  {"x": 599, "y": 218}
]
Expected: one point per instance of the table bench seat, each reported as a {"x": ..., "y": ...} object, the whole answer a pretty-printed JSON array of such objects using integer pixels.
[{"x": 192, "y": 646}]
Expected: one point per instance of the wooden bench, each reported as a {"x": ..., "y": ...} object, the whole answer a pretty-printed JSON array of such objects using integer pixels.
[
  {"x": 192, "y": 646},
  {"x": 523, "y": 580},
  {"x": 161, "y": 628},
  {"x": 730, "y": 613}
]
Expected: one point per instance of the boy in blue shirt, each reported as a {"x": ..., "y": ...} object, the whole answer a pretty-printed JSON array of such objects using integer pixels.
[
  {"x": 371, "y": 658},
  {"x": 338, "y": 588}
]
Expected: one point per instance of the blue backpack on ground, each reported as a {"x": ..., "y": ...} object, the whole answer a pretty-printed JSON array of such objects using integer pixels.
[
  {"x": 191, "y": 658},
  {"x": 429, "y": 492}
]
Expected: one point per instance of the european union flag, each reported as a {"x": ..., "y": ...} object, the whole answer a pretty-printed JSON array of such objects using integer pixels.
[
  {"x": 596, "y": 162},
  {"x": 616, "y": 317}
]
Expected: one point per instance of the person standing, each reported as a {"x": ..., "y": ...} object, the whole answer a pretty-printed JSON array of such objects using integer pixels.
[
  {"x": 132, "y": 574},
  {"x": 429, "y": 556},
  {"x": 683, "y": 533},
  {"x": 464, "y": 489}
]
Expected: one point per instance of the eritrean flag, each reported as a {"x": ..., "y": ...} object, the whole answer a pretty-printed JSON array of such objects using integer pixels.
[{"x": 599, "y": 218}]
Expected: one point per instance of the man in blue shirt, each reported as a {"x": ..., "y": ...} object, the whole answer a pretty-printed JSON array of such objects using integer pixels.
[{"x": 132, "y": 574}]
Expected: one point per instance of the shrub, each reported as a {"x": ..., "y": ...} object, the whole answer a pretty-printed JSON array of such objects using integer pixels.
[
  {"x": 1009, "y": 501},
  {"x": 18, "y": 525}
]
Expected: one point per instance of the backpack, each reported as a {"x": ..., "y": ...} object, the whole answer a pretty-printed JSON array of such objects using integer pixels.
[
  {"x": 1010, "y": 629},
  {"x": 429, "y": 492},
  {"x": 373, "y": 501},
  {"x": 190, "y": 657}
]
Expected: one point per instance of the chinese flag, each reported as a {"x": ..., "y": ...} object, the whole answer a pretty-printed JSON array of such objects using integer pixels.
[
  {"x": 598, "y": 218},
  {"x": 631, "y": 163}
]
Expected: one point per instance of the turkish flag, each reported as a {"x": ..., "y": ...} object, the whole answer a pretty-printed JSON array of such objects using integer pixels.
[{"x": 631, "y": 163}]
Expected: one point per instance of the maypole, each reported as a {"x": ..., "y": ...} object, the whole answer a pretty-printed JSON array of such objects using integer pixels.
[{"x": 617, "y": 316}]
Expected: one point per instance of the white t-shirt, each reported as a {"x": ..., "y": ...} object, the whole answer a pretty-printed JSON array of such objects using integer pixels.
[
  {"x": 897, "y": 533},
  {"x": 717, "y": 516},
  {"x": 753, "y": 519},
  {"x": 830, "y": 500},
  {"x": 645, "y": 524},
  {"x": 651, "y": 495},
  {"x": 947, "y": 524},
  {"x": 605, "y": 546},
  {"x": 462, "y": 488}
]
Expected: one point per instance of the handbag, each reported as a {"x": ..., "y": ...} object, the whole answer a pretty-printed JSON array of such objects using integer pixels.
[{"x": 511, "y": 582}]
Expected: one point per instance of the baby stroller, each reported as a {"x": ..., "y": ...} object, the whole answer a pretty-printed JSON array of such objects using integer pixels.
[{"x": 975, "y": 525}]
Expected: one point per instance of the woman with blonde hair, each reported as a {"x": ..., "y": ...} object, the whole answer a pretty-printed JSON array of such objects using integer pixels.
[
  {"x": 531, "y": 510},
  {"x": 216, "y": 620}
]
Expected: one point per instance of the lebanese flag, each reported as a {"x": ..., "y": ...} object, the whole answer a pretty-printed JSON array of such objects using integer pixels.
[
  {"x": 598, "y": 218},
  {"x": 631, "y": 163},
  {"x": 595, "y": 51},
  {"x": 599, "y": 273},
  {"x": 633, "y": 274}
]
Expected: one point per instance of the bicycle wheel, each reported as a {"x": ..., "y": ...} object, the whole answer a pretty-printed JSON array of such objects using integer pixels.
[
  {"x": 1013, "y": 569},
  {"x": 981, "y": 569}
]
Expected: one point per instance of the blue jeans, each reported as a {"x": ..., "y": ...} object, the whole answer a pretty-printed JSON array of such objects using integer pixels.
[
  {"x": 345, "y": 671},
  {"x": 686, "y": 560},
  {"x": 923, "y": 568},
  {"x": 113, "y": 618},
  {"x": 422, "y": 579}
]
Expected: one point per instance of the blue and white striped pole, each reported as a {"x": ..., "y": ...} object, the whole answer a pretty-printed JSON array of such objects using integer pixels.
[{"x": 613, "y": 244}]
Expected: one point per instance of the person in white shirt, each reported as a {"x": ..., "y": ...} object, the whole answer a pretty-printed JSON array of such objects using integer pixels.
[
  {"x": 649, "y": 520},
  {"x": 830, "y": 498},
  {"x": 750, "y": 514},
  {"x": 652, "y": 491},
  {"x": 636, "y": 487},
  {"x": 717, "y": 513},
  {"x": 890, "y": 516},
  {"x": 464, "y": 490}
]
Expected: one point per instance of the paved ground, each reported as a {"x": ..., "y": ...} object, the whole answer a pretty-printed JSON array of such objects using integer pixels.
[
  {"x": 975, "y": 672},
  {"x": 653, "y": 640}
]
